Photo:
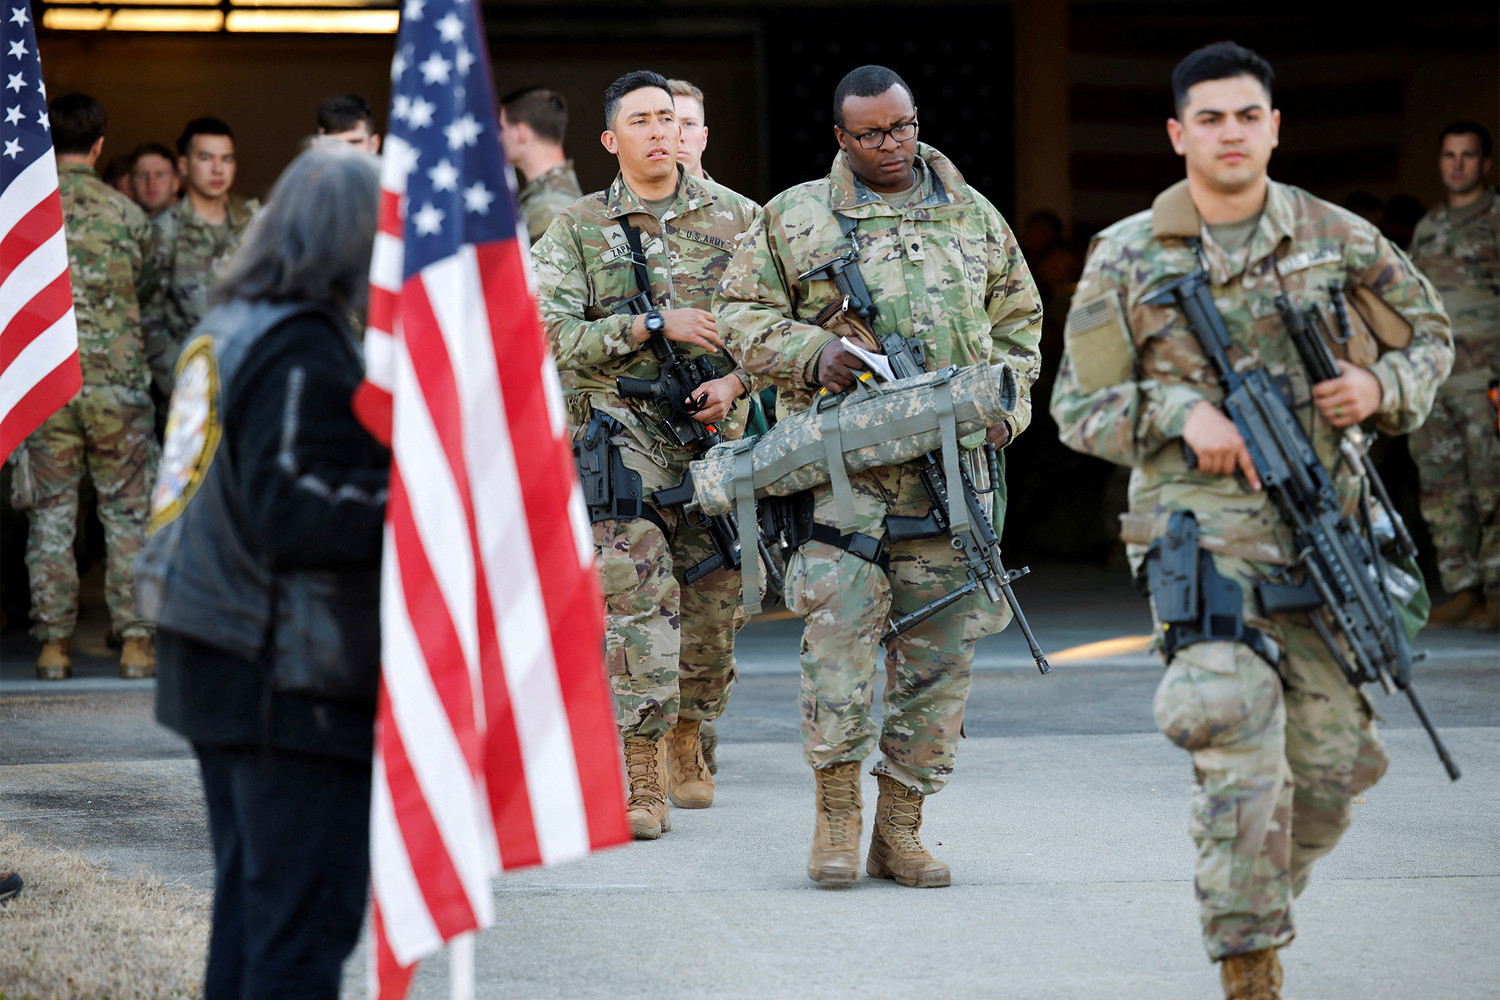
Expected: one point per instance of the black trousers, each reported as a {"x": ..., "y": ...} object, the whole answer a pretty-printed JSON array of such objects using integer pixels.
[{"x": 292, "y": 865}]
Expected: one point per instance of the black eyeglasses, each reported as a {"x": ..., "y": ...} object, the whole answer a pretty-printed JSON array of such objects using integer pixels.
[{"x": 875, "y": 138}]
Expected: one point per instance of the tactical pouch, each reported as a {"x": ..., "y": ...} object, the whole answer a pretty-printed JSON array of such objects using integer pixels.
[
  {"x": 22, "y": 481},
  {"x": 610, "y": 490},
  {"x": 1194, "y": 603}
]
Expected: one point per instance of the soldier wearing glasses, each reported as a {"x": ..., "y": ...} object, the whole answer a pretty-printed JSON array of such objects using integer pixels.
[{"x": 941, "y": 266}]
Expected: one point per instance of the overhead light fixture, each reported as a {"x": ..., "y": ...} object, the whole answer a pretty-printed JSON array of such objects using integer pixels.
[
  {"x": 317, "y": 21},
  {"x": 330, "y": 17}
]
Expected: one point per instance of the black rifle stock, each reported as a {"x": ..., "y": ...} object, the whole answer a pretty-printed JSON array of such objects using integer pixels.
[
  {"x": 1343, "y": 566},
  {"x": 979, "y": 545}
]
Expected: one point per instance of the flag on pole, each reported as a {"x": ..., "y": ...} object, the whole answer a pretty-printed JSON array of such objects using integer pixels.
[
  {"x": 38, "y": 331},
  {"x": 496, "y": 746}
]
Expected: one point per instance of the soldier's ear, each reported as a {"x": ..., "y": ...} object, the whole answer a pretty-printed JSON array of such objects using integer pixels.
[
  {"x": 1174, "y": 134},
  {"x": 609, "y": 141}
]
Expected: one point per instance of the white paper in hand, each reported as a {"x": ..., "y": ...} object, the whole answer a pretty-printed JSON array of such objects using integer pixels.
[{"x": 877, "y": 363}]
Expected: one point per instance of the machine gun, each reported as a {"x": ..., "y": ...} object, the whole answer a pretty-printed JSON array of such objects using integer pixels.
[
  {"x": 671, "y": 393},
  {"x": 977, "y": 543},
  {"x": 1343, "y": 591}
]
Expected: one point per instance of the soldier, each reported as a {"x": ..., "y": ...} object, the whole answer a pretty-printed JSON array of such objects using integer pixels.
[
  {"x": 107, "y": 427},
  {"x": 193, "y": 239},
  {"x": 689, "y": 101},
  {"x": 153, "y": 178},
  {"x": 1457, "y": 450},
  {"x": 669, "y": 646},
  {"x": 347, "y": 118},
  {"x": 941, "y": 266},
  {"x": 1280, "y": 741},
  {"x": 532, "y": 124}
]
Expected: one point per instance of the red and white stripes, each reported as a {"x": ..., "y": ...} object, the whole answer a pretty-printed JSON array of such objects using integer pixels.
[
  {"x": 496, "y": 746},
  {"x": 38, "y": 330}
]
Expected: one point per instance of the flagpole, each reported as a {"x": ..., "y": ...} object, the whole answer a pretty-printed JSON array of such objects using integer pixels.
[{"x": 461, "y": 967}]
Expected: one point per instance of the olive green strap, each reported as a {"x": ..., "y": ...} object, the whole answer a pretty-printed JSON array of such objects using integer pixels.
[
  {"x": 838, "y": 476},
  {"x": 744, "y": 494}
]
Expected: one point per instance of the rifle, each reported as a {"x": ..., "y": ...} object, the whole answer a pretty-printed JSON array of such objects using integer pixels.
[
  {"x": 1342, "y": 592},
  {"x": 976, "y": 542},
  {"x": 671, "y": 393}
]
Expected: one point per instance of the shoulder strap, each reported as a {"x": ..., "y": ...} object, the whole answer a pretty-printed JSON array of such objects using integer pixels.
[{"x": 638, "y": 258}]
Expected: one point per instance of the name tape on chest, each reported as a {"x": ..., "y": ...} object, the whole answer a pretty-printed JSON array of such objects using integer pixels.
[{"x": 1305, "y": 259}]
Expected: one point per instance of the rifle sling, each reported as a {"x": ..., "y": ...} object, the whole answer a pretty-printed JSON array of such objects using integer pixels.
[{"x": 638, "y": 260}]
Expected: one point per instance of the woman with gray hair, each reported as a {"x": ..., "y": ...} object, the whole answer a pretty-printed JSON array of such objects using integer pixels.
[{"x": 262, "y": 572}]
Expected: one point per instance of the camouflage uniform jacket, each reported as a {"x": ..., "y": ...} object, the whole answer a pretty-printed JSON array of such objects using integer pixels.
[
  {"x": 190, "y": 253},
  {"x": 1131, "y": 372},
  {"x": 945, "y": 269},
  {"x": 112, "y": 263},
  {"x": 547, "y": 194},
  {"x": 584, "y": 273},
  {"x": 1459, "y": 251}
]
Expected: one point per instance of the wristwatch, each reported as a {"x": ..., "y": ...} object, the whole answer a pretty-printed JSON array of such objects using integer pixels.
[{"x": 654, "y": 322}]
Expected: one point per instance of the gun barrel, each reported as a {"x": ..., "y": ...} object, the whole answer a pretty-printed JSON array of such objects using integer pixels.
[{"x": 1437, "y": 743}]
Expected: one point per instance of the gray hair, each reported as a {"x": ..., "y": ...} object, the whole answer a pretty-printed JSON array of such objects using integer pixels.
[{"x": 312, "y": 241}]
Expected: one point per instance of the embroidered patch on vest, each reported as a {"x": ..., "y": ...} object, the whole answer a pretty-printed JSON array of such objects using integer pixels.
[{"x": 193, "y": 432}]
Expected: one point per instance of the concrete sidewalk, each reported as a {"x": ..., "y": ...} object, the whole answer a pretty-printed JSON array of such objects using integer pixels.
[{"x": 1065, "y": 825}]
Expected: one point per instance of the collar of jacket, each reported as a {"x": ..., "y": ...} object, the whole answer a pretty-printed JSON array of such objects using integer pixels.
[
  {"x": 620, "y": 200},
  {"x": 1173, "y": 214},
  {"x": 237, "y": 212},
  {"x": 950, "y": 194}
]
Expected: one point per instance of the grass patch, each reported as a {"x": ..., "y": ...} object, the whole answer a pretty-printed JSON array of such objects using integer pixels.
[{"x": 77, "y": 932}]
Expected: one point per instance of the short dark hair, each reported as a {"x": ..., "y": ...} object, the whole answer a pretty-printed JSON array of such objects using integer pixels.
[
  {"x": 1218, "y": 61},
  {"x": 77, "y": 122},
  {"x": 115, "y": 169},
  {"x": 342, "y": 112},
  {"x": 630, "y": 81},
  {"x": 1469, "y": 128},
  {"x": 544, "y": 111},
  {"x": 867, "y": 81},
  {"x": 201, "y": 126},
  {"x": 150, "y": 149}
]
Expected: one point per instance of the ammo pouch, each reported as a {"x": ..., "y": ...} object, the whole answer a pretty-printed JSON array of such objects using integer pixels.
[
  {"x": 610, "y": 490},
  {"x": 1193, "y": 602}
]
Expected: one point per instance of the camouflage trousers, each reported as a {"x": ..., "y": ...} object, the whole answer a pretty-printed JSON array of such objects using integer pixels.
[
  {"x": 846, "y": 602},
  {"x": 669, "y": 646},
  {"x": 107, "y": 431},
  {"x": 1458, "y": 461},
  {"x": 1276, "y": 760}
]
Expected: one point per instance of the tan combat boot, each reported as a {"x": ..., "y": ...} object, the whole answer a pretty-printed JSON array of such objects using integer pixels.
[
  {"x": 895, "y": 850},
  {"x": 709, "y": 737},
  {"x": 646, "y": 770},
  {"x": 689, "y": 785},
  {"x": 1255, "y": 975},
  {"x": 840, "y": 808},
  {"x": 55, "y": 661},
  {"x": 1457, "y": 609},
  {"x": 138, "y": 658}
]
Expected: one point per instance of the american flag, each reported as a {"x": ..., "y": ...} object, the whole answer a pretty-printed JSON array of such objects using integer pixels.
[
  {"x": 496, "y": 746},
  {"x": 38, "y": 331}
]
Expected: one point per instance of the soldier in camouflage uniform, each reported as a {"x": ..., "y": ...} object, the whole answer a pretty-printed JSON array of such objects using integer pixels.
[
  {"x": 1458, "y": 450},
  {"x": 669, "y": 646},
  {"x": 941, "y": 266},
  {"x": 1277, "y": 751},
  {"x": 532, "y": 125},
  {"x": 106, "y": 429},
  {"x": 193, "y": 240}
]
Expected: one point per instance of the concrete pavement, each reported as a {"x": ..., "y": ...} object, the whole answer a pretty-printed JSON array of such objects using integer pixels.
[{"x": 1065, "y": 825}]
